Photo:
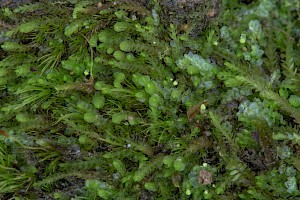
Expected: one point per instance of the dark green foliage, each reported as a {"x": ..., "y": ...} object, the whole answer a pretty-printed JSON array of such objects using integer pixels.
[{"x": 108, "y": 98}]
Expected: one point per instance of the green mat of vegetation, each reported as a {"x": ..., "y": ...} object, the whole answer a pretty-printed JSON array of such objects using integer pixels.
[{"x": 107, "y": 100}]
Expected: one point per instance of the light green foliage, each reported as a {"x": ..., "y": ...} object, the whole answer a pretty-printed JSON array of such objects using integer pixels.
[
  {"x": 141, "y": 96},
  {"x": 13, "y": 46},
  {"x": 179, "y": 164},
  {"x": 155, "y": 101},
  {"x": 151, "y": 186},
  {"x": 294, "y": 101},
  {"x": 140, "y": 80},
  {"x": 100, "y": 188},
  {"x": 264, "y": 8},
  {"x": 245, "y": 139},
  {"x": 91, "y": 117},
  {"x": 119, "y": 55},
  {"x": 12, "y": 179},
  {"x": 195, "y": 64},
  {"x": 119, "y": 78},
  {"x": 73, "y": 27},
  {"x": 23, "y": 70},
  {"x": 104, "y": 88},
  {"x": 117, "y": 118},
  {"x": 258, "y": 110},
  {"x": 28, "y": 27},
  {"x": 98, "y": 101},
  {"x": 151, "y": 88},
  {"x": 122, "y": 26},
  {"x": 104, "y": 98},
  {"x": 74, "y": 65},
  {"x": 126, "y": 46}
]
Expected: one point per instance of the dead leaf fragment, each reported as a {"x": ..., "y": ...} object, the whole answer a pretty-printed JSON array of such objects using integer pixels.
[
  {"x": 205, "y": 177},
  {"x": 211, "y": 13},
  {"x": 192, "y": 112},
  {"x": 4, "y": 133}
]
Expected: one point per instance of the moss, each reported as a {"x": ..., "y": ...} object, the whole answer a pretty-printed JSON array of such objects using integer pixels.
[{"x": 149, "y": 100}]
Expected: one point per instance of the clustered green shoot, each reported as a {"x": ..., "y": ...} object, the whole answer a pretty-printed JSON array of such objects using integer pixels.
[{"x": 99, "y": 100}]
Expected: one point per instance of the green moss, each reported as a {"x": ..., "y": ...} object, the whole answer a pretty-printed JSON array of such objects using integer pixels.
[{"x": 126, "y": 100}]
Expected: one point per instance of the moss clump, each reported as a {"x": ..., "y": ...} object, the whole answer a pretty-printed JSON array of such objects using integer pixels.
[{"x": 106, "y": 100}]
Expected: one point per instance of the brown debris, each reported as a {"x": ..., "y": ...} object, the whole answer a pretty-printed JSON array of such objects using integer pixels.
[
  {"x": 192, "y": 112},
  {"x": 4, "y": 133},
  {"x": 205, "y": 177}
]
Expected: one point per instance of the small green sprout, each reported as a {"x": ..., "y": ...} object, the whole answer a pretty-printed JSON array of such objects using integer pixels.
[
  {"x": 104, "y": 36},
  {"x": 294, "y": 101},
  {"x": 150, "y": 186},
  {"x": 243, "y": 38},
  {"x": 119, "y": 55},
  {"x": 98, "y": 101},
  {"x": 126, "y": 46},
  {"x": 117, "y": 118},
  {"x": 141, "y": 96},
  {"x": 119, "y": 78},
  {"x": 155, "y": 101},
  {"x": 179, "y": 164},
  {"x": 151, "y": 88},
  {"x": 91, "y": 117},
  {"x": 121, "y": 26},
  {"x": 29, "y": 27}
]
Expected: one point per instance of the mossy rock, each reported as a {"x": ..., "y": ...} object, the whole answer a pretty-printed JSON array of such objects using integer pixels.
[{"x": 189, "y": 15}]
